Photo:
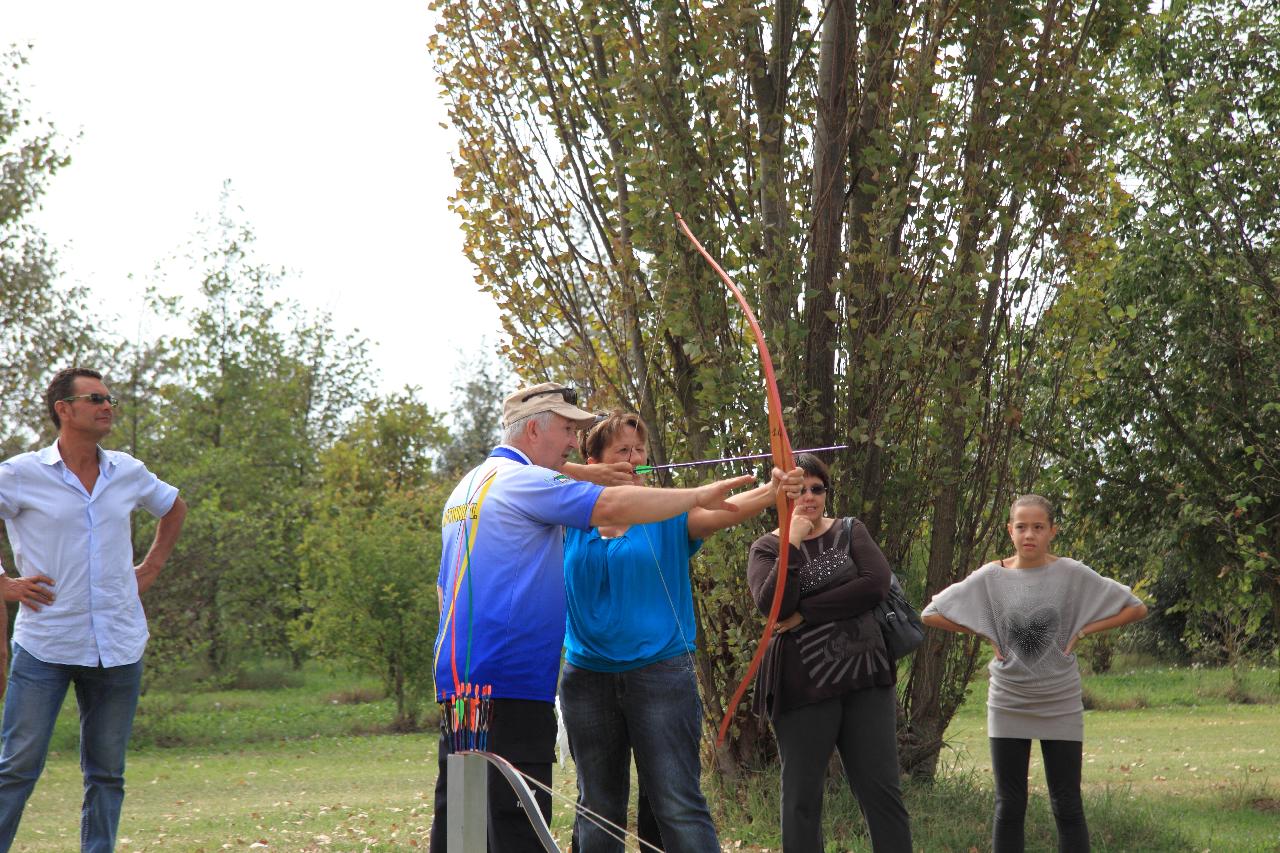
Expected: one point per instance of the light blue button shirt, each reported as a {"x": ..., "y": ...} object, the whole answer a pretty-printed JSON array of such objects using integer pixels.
[{"x": 83, "y": 541}]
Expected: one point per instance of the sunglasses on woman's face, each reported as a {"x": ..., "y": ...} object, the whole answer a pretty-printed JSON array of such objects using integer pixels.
[{"x": 817, "y": 491}]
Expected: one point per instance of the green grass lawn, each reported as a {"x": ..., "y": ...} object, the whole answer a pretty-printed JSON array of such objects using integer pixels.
[
  {"x": 304, "y": 766},
  {"x": 1168, "y": 739},
  {"x": 332, "y": 793},
  {"x": 309, "y": 766}
]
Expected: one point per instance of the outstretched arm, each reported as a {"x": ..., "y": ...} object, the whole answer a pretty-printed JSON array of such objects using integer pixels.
[
  {"x": 620, "y": 505},
  {"x": 702, "y": 522}
]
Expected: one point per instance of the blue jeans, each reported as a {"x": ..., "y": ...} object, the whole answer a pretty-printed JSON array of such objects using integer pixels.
[
  {"x": 655, "y": 713},
  {"x": 108, "y": 697}
]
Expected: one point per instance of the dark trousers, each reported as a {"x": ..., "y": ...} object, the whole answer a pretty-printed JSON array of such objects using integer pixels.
[
  {"x": 646, "y": 822},
  {"x": 524, "y": 733},
  {"x": 1010, "y": 759},
  {"x": 862, "y": 725}
]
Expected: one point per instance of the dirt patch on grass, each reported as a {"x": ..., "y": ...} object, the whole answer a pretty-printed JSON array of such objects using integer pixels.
[
  {"x": 1238, "y": 695},
  {"x": 356, "y": 696},
  {"x": 1266, "y": 805},
  {"x": 390, "y": 727}
]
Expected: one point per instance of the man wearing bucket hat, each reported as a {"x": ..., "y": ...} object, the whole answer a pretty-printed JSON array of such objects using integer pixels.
[{"x": 502, "y": 593}]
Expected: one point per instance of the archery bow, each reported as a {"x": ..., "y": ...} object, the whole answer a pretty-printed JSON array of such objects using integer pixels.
[{"x": 782, "y": 458}]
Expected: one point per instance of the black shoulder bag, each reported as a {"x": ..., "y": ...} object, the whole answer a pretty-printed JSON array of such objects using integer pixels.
[{"x": 899, "y": 622}]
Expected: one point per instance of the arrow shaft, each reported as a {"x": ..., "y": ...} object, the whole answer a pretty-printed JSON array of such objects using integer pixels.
[{"x": 648, "y": 469}]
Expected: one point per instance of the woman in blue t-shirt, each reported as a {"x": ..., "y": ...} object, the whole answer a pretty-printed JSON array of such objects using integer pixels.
[{"x": 628, "y": 686}]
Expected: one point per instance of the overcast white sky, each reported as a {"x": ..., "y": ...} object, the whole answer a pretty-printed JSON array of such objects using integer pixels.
[{"x": 325, "y": 117}]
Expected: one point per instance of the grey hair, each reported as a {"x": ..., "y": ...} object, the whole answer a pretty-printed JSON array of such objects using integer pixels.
[{"x": 515, "y": 429}]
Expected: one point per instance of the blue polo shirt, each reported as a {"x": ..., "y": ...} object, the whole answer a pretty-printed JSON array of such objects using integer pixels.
[
  {"x": 630, "y": 599},
  {"x": 501, "y": 582}
]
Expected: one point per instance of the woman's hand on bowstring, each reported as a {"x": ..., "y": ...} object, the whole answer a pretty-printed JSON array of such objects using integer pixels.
[{"x": 604, "y": 473}]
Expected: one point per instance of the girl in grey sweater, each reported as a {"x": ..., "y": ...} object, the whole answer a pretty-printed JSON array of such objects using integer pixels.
[{"x": 1034, "y": 607}]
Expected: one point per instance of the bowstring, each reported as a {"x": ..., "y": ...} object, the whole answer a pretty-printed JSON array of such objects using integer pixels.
[
  {"x": 689, "y": 647},
  {"x": 611, "y": 829},
  {"x": 615, "y": 832}
]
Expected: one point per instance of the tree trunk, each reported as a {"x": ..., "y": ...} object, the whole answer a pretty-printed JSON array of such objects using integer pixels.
[{"x": 826, "y": 258}]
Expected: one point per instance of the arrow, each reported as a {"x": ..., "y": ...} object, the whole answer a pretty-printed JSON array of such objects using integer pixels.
[{"x": 649, "y": 469}]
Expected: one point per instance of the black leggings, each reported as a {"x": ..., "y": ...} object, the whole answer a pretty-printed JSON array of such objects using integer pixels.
[{"x": 1010, "y": 759}]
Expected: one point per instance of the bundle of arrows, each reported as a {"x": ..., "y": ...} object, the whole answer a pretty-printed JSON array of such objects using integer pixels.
[{"x": 467, "y": 715}]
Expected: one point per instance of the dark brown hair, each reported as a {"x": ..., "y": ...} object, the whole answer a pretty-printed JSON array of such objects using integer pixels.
[
  {"x": 814, "y": 467},
  {"x": 62, "y": 386},
  {"x": 595, "y": 439}
]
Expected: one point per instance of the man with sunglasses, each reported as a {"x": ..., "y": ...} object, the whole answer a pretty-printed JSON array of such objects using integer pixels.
[
  {"x": 502, "y": 591},
  {"x": 67, "y": 510}
]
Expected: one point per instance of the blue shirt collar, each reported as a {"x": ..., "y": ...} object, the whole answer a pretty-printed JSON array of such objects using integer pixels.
[{"x": 506, "y": 451}]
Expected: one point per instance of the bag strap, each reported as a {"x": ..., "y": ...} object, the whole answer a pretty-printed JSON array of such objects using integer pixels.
[
  {"x": 847, "y": 524},
  {"x": 894, "y": 584}
]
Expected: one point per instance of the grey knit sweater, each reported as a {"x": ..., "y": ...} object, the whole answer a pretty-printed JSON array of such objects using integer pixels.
[{"x": 1032, "y": 615}]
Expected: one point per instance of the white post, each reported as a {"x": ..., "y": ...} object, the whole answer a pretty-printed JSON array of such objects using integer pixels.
[{"x": 468, "y": 804}]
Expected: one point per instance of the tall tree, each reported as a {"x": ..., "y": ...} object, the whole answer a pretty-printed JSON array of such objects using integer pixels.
[
  {"x": 476, "y": 412},
  {"x": 1175, "y": 459},
  {"x": 896, "y": 184},
  {"x": 41, "y": 327},
  {"x": 257, "y": 390},
  {"x": 369, "y": 550}
]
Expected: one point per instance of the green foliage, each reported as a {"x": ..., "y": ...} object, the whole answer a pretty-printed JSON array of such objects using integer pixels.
[
  {"x": 41, "y": 326},
  {"x": 243, "y": 405},
  {"x": 370, "y": 551},
  {"x": 1173, "y": 462},
  {"x": 901, "y": 189},
  {"x": 476, "y": 413},
  {"x": 268, "y": 702}
]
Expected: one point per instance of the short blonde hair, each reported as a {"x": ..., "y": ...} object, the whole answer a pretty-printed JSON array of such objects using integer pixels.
[{"x": 593, "y": 440}]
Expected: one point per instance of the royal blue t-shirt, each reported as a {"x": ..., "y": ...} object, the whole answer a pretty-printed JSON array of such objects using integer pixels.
[
  {"x": 630, "y": 599},
  {"x": 501, "y": 582}
]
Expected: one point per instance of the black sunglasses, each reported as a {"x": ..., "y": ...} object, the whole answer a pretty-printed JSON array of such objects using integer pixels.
[
  {"x": 95, "y": 398},
  {"x": 815, "y": 490},
  {"x": 570, "y": 395}
]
